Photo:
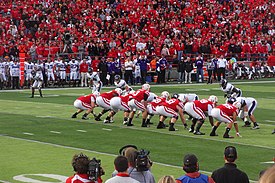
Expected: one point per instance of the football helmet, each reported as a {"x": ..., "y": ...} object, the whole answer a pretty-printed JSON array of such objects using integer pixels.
[
  {"x": 119, "y": 91},
  {"x": 175, "y": 95},
  {"x": 165, "y": 94},
  {"x": 213, "y": 98},
  {"x": 237, "y": 104},
  {"x": 146, "y": 87},
  {"x": 117, "y": 78},
  {"x": 231, "y": 100},
  {"x": 183, "y": 98},
  {"x": 223, "y": 83}
]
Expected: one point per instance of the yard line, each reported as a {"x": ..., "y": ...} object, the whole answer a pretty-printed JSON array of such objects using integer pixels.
[
  {"x": 106, "y": 129},
  {"x": 138, "y": 86},
  {"x": 55, "y": 132},
  {"x": 269, "y": 121},
  {"x": 83, "y": 131},
  {"x": 26, "y": 133},
  {"x": 268, "y": 162},
  {"x": 96, "y": 152}
]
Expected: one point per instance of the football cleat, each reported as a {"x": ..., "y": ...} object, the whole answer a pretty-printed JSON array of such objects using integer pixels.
[
  {"x": 106, "y": 121},
  {"x": 247, "y": 124},
  {"x": 144, "y": 125},
  {"x": 124, "y": 122},
  {"x": 198, "y": 133},
  {"x": 273, "y": 132},
  {"x": 98, "y": 119},
  {"x": 191, "y": 129},
  {"x": 161, "y": 126},
  {"x": 227, "y": 136},
  {"x": 84, "y": 117},
  {"x": 255, "y": 127},
  {"x": 130, "y": 124},
  {"x": 73, "y": 116},
  {"x": 213, "y": 134}
]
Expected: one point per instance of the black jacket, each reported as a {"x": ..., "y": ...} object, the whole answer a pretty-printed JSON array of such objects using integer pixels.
[
  {"x": 229, "y": 174},
  {"x": 181, "y": 66},
  {"x": 189, "y": 66}
]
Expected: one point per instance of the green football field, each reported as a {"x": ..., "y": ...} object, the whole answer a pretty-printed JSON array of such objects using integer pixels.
[{"x": 38, "y": 137}]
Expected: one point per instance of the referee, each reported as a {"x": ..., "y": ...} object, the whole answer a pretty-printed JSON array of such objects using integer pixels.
[
  {"x": 229, "y": 173},
  {"x": 221, "y": 66}
]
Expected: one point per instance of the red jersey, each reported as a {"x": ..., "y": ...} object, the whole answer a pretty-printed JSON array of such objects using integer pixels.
[
  {"x": 109, "y": 95},
  {"x": 157, "y": 101},
  {"x": 87, "y": 98},
  {"x": 125, "y": 98},
  {"x": 140, "y": 95},
  {"x": 172, "y": 104},
  {"x": 81, "y": 178},
  {"x": 95, "y": 65},
  {"x": 228, "y": 109},
  {"x": 203, "y": 104},
  {"x": 83, "y": 67}
]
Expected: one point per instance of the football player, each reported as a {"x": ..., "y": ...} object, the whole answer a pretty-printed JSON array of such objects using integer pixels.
[
  {"x": 119, "y": 103},
  {"x": 95, "y": 81},
  {"x": 197, "y": 110},
  {"x": 138, "y": 101},
  {"x": 86, "y": 102},
  {"x": 29, "y": 67},
  {"x": 151, "y": 107},
  {"x": 121, "y": 83},
  {"x": 172, "y": 108},
  {"x": 104, "y": 101},
  {"x": 226, "y": 113},
  {"x": 248, "y": 105},
  {"x": 230, "y": 90},
  {"x": 38, "y": 81},
  {"x": 74, "y": 71}
]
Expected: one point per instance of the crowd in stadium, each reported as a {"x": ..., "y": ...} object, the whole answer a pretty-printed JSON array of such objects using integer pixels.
[{"x": 127, "y": 29}]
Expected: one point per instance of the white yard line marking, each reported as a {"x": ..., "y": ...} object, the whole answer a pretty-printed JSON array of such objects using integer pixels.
[
  {"x": 26, "y": 133},
  {"x": 83, "y": 131},
  {"x": 96, "y": 152},
  {"x": 106, "y": 129},
  {"x": 45, "y": 116},
  {"x": 268, "y": 162},
  {"x": 56, "y": 132},
  {"x": 269, "y": 121}
]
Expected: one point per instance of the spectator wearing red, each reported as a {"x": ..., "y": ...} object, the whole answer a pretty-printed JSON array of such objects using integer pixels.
[{"x": 83, "y": 69}]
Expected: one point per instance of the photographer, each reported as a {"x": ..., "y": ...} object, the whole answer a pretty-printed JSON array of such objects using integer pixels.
[
  {"x": 139, "y": 165},
  {"x": 86, "y": 170}
]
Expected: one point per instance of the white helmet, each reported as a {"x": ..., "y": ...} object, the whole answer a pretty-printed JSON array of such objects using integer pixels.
[
  {"x": 96, "y": 93},
  {"x": 165, "y": 94},
  {"x": 213, "y": 98},
  {"x": 237, "y": 104},
  {"x": 145, "y": 87},
  {"x": 119, "y": 91},
  {"x": 183, "y": 98}
]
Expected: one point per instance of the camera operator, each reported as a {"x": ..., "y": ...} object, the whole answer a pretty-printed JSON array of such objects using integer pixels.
[
  {"x": 137, "y": 169},
  {"x": 86, "y": 170}
]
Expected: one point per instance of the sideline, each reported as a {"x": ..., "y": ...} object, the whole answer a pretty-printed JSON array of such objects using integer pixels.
[
  {"x": 138, "y": 86},
  {"x": 96, "y": 152}
]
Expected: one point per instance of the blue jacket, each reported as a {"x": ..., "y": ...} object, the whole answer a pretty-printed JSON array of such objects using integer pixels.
[{"x": 201, "y": 179}]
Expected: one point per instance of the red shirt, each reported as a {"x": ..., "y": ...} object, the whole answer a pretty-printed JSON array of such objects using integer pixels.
[
  {"x": 84, "y": 177},
  {"x": 87, "y": 98},
  {"x": 228, "y": 109},
  {"x": 203, "y": 104},
  {"x": 83, "y": 67},
  {"x": 125, "y": 98},
  {"x": 140, "y": 95},
  {"x": 157, "y": 101},
  {"x": 95, "y": 65},
  {"x": 109, "y": 95},
  {"x": 172, "y": 104}
]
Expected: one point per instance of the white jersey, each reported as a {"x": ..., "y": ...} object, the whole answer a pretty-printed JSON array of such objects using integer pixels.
[
  {"x": 29, "y": 67},
  {"x": 49, "y": 66},
  {"x": 229, "y": 90},
  {"x": 188, "y": 97},
  {"x": 74, "y": 66},
  {"x": 14, "y": 69},
  {"x": 151, "y": 97},
  {"x": 121, "y": 84},
  {"x": 2, "y": 67},
  {"x": 251, "y": 104},
  {"x": 39, "y": 69}
]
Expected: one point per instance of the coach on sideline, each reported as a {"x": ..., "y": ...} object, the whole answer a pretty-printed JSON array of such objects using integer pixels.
[{"x": 230, "y": 173}]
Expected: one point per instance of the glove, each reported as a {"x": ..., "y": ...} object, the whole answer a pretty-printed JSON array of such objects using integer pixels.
[{"x": 238, "y": 134}]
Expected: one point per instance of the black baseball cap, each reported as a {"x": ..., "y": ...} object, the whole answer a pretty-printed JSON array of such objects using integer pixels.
[
  {"x": 190, "y": 160},
  {"x": 230, "y": 153}
]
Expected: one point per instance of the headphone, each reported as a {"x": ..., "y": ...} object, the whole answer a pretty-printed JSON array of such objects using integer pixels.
[{"x": 122, "y": 150}]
